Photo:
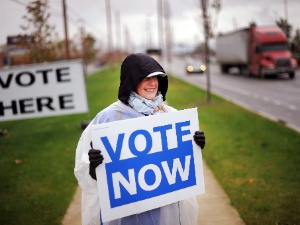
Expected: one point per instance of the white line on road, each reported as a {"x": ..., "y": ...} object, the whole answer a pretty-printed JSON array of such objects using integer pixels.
[
  {"x": 256, "y": 96},
  {"x": 266, "y": 99},
  {"x": 276, "y": 102}
]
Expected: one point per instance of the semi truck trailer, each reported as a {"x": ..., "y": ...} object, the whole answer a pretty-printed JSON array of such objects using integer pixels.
[{"x": 256, "y": 50}]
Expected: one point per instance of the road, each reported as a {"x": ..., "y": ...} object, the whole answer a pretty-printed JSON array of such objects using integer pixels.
[{"x": 275, "y": 98}]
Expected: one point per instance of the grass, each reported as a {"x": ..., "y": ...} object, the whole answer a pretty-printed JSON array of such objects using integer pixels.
[{"x": 257, "y": 161}]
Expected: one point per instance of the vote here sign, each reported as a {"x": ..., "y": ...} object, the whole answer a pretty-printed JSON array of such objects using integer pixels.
[
  {"x": 149, "y": 162},
  {"x": 40, "y": 90}
]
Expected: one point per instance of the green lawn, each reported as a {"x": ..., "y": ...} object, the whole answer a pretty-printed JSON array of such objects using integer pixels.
[{"x": 256, "y": 160}]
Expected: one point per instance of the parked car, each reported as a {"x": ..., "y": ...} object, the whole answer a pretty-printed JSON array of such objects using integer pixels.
[{"x": 195, "y": 66}]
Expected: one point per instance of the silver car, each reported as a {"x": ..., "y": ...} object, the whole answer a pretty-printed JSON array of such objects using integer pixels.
[{"x": 195, "y": 66}]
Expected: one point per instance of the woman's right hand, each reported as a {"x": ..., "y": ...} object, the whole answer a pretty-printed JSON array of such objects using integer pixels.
[{"x": 96, "y": 158}]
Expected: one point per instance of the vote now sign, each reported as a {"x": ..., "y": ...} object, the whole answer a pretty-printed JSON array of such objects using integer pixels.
[
  {"x": 149, "y": 162},
  {"x": 40, "y": 90}
]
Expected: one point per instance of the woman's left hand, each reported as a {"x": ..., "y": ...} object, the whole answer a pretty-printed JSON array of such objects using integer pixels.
[{"x": 199, "y": 138}]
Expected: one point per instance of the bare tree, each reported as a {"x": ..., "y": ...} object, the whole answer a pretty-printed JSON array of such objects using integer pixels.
[
  {"x": 208, "y": 32},
  {"x": 89, "y": 50},
  {"x": 295, "y": 46},
  {"x": 285, "y": 26},
  {"x": 37, "y": 25}
]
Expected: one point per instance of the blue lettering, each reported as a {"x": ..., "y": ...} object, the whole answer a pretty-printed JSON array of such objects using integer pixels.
[{"x": 114, "y": 155}]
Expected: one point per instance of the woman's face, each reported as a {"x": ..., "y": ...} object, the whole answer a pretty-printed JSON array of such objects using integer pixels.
[{"x": 148, "y": 87}]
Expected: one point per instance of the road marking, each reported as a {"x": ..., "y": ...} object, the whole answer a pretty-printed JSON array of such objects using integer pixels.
[
  {"x": 234, "y": 89},
  {"x": 292, "y": 107},
  {"x": 266, "y": 99},
  {"x": 256, "y": 96},
  {"x": 277, "y": 102}
]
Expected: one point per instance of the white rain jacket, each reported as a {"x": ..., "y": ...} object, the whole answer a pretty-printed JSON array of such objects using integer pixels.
[{"x": 180, "y": 213}]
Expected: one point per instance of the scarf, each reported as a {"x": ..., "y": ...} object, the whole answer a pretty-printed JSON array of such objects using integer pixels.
[{"x": 145, "y": 106}]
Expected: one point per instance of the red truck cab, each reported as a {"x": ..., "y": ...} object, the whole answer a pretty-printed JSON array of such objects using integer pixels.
[{"x": 269, "y": 52}]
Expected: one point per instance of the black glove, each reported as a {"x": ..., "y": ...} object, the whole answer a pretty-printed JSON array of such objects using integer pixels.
[
  {"x": 199, "y": 138},
  {"x": 96, "y": 158}
]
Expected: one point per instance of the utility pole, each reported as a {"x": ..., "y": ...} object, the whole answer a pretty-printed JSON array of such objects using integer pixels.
[
  {"x": 67, "y": 53},
  {"x": 127, "y": 40},
  {"x": 109, "y": 30},
  {"x": 168, "y": 30},
  {"x": 286, "y": 10},
  {"x": 149, "y": 27},
  {"x": 206, "y": 26},
  {"x": 83, "y": 52},
  {"x": 118, "y": 31},
  {"x": 160, "y": 25},
  {"x": 82, "y": 34}
]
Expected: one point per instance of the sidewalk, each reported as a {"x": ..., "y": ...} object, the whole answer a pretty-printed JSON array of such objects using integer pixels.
[{"x": 214, "y": 205}]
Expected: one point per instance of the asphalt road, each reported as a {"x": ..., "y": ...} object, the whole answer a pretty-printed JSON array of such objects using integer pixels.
[{"x": 275, "y": 98}]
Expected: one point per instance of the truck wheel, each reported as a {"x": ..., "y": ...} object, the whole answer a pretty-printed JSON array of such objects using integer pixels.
[
  {"x": 241, "y": 70},
  {"x": 224, "y": 69},
  {"x": 261, "y": 74},
  {"x": 292, "y": 75},
  {"x": 244, "y": 71}
]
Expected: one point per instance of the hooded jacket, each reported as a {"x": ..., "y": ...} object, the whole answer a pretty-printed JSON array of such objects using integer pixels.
[{"x": 133, "y": 69}]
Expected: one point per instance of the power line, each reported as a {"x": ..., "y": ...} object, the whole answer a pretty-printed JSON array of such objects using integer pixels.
[
  {"x": 19, "y": 2},
  {"x": 73, "y": 15},
  {"x": 79, "y": 16}
]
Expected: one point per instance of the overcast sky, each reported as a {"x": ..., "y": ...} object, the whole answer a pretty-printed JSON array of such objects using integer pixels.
[{"x": 140, "y": 18}]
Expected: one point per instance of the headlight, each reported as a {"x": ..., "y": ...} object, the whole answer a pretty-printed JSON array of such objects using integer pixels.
[
  {"x": 190, "y": 69},
  {"x": 203, "y": 67},
  {"x": 293, "y": 63}
]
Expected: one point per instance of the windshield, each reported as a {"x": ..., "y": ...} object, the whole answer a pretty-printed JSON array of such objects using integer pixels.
[{"x": 274, "y": 47}]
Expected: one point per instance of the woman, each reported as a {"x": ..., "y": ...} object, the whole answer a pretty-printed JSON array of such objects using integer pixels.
[{"x": 142, "y": 92}]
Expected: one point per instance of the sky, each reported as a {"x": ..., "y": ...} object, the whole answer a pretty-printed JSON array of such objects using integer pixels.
[{"x": 139, "y": 18}]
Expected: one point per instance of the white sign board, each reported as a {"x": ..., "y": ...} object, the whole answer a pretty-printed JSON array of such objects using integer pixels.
[
  {"x": 40, "y": 90},
  {"x": 149, "y": 162}
]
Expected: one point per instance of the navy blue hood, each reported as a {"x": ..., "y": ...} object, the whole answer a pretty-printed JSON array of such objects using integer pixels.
[{"x": 134, "y": 69}]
